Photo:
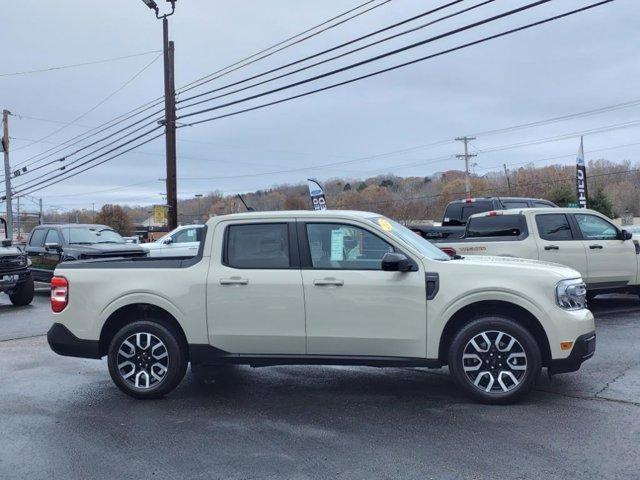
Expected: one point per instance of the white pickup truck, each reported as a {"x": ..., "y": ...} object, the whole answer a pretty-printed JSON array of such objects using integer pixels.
[
  {"x": 328, "y": 287},
  {"x": 607, "y": 257}
]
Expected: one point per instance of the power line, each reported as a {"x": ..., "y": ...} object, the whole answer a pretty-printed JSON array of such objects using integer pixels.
[
  {"x": 395, "y": 67},
  {"x": 191, "y": 85},
  {"x": 252, "y": 58},
  {"x": 101, "y": 102},
  {"x": 94, "y": 62},
  {"x": 337, "y": 47}
]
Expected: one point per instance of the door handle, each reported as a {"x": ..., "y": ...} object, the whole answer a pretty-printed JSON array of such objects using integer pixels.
[
  {"x": 328, "y": 282},
  {"x": 234, "y": 281},
  {"x": 595, "y": 247},
  {"x": 552, "y": 247}
]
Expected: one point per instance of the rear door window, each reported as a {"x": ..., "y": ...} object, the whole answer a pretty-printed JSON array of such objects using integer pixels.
[
  {"x": 497, "y": 226},
  {"x": 457, "y": 214},
  {"x": 514, "y": 204},
  {"x": 257, "y": 246},
  {"x": 554, "y": 227},
  {"x": 37, "y": 238}
]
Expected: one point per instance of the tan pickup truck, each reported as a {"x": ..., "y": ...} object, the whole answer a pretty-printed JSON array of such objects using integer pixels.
[{"x": 585, "y": 240}]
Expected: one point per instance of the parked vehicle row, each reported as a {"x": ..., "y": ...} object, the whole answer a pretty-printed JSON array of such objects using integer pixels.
[
  {"x": 181, "y": 242},
  {"x": 327, "y": 287},
  {"x": 608, "y": 258}
]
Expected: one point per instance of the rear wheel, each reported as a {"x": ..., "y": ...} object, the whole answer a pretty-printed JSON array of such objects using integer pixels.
[
  {"x": 494, "y": 360},
  {"x": 23, "y": 293},
  {"x": 147, "y": 359}
]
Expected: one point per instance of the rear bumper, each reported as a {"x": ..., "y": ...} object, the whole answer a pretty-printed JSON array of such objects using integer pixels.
[
  {"x": 583, "y": 349},
  {"x": 63, "y": 342}
]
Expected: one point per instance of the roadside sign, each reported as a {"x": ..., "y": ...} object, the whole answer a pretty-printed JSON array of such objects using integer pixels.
[
  {"x": 160, "y": 214},
  {"x": 572, "y": 205}
]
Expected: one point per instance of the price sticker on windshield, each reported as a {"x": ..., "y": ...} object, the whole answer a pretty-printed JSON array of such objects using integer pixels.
[{"x": 385, "y": 225}]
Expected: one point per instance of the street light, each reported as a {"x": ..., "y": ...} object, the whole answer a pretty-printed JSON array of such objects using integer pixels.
[
  {"x": 199, "y": 196},
  {"x": 169, "y": 112}
]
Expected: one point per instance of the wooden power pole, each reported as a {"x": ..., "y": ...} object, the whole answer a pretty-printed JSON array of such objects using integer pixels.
[
  {"x": 466, "y": 156},
  {"x": 170, "y": 126},
  {"x": 7, "y": 171}
]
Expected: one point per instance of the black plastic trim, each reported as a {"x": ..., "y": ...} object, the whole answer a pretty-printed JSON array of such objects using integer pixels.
[
  {"x": 432, "y": 282},
  {"x": 63, "y": 342},
  {"x": 201, "y": 354},
  {"x": 583, "y": 349}
]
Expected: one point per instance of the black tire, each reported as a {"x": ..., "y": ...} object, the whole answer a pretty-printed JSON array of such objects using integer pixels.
[
  {"x": 525, "y": 375},
  {"x": 23, "y": 294},
  {"x": 175, "y": 366}
]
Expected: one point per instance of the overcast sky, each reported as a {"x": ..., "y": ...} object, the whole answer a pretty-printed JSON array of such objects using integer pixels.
[{"x": 580, "y": 63}]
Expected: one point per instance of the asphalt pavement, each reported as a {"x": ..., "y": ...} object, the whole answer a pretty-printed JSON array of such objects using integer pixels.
[{"x": 61, "y": 418}]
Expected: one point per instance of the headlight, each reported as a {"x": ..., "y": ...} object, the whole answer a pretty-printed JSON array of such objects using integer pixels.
[
  {"x": 571, "y": 294},
  {"x": 22, "y": 260}
]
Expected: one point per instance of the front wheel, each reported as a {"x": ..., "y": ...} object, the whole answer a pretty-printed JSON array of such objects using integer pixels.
[
  {"x": 23, "y": 293},
  {"x": 146, "y": 359},
  {"x": 494, "y": 360}
]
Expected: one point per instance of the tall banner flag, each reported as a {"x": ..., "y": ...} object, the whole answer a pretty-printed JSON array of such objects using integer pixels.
[
  {"x": 581, "y": 177},
  {"x": 317, "y": 195}
]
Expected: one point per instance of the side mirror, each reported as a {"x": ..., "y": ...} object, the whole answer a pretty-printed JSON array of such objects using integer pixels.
[
  {"x": 53, "y": 246},
  {"x": 168, "y": 241},
  {"x": 626, "y": 235},
  {"x": 397, "y": 262}
]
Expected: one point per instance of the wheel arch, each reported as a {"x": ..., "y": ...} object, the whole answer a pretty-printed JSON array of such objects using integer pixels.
[
  {"x": 139, "y": 311},
  {"x": 503, "y": 308}
]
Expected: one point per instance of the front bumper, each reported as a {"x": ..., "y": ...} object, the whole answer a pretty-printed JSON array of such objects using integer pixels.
[
  {"x": 63, "y": 342},
  {"x": 583, "y": 349},
  {"x": 21, "y": 277}
]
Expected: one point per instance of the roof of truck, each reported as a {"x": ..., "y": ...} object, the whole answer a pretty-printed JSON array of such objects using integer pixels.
[
  {"x": 295, "y": 214},
  {"x": 518, "y": 211}
]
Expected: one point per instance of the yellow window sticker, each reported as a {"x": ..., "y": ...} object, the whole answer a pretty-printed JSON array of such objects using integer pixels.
[{"x": 385, "y": 225}]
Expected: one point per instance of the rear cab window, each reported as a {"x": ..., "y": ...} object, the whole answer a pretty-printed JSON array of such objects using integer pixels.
[
  {"x": 457, "y": 213},
  {"x": 505, "y": 227},
  {"x": 257, "y": 246}
]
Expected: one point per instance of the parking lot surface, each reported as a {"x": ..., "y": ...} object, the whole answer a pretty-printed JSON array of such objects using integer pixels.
[{"x": 62, "y": 418}]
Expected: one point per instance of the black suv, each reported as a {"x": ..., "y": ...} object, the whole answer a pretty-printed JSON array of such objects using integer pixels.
[
  {"x": 49, "y": 245},
  {"x": 15, "y": 278}
]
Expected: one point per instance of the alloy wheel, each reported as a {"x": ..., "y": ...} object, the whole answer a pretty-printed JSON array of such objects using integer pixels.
[
  {"x": 494, "y": 362},
  {"x": 143, "y": 360}
]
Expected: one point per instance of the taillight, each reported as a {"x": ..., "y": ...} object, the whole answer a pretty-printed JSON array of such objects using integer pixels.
[
  {"x": 449, "y": 251},
  {"x": 494, "y": 213},
  {"x": 59, "y": 294}
]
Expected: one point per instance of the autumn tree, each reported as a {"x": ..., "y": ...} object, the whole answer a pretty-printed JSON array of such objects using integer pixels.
[{"x": 115, "y": 217}]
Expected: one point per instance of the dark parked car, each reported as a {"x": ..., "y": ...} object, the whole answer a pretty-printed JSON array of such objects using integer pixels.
[
  {"x": 49, "y": 245},
  {"x": 15, "y": 278}
]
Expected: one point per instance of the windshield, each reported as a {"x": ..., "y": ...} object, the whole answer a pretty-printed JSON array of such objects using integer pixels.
[
  {"x": 89, "y": 235},
  {"x": 407, "y": 236}
]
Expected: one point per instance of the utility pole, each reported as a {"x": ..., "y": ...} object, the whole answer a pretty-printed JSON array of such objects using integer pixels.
[
  {"x": 169, "y": 112},
  {"x": 7, "y": 171},
  {"x": 93, "y": 212},
  {"x": 506, "y": 174},
  {"x": 466, "y": 156},
  {"x": 170, "y": 126},
  {"x": 199, "y": 196},
  {"x": 18, "y": 219},
  {"x": 41, "y": 216}
]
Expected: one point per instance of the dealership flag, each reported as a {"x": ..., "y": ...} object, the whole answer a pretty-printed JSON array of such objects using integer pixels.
[
  {"x": 317, "y": 195},
  {"x": 581, "y": 177}
]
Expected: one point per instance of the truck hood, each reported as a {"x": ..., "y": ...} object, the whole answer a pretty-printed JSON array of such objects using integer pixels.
[
  {"x": 10, "y": 251},
  {"x": 520, "y": 263}
]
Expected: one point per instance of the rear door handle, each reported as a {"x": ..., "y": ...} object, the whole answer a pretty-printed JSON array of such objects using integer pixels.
[
  {"x": 234, "y": 281},
  {"x": 552, "y": 247},
  {"x": 328, "y": 282},
  {"x": 595, "y": 247}
]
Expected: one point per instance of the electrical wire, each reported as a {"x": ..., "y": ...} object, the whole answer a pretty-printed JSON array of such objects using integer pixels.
[
  {"x": 101, "y": 102},
  {"x": 337, "y": 47},
  {"x": 94, "y": 62},
  {"x": 385, "y": 70}
]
